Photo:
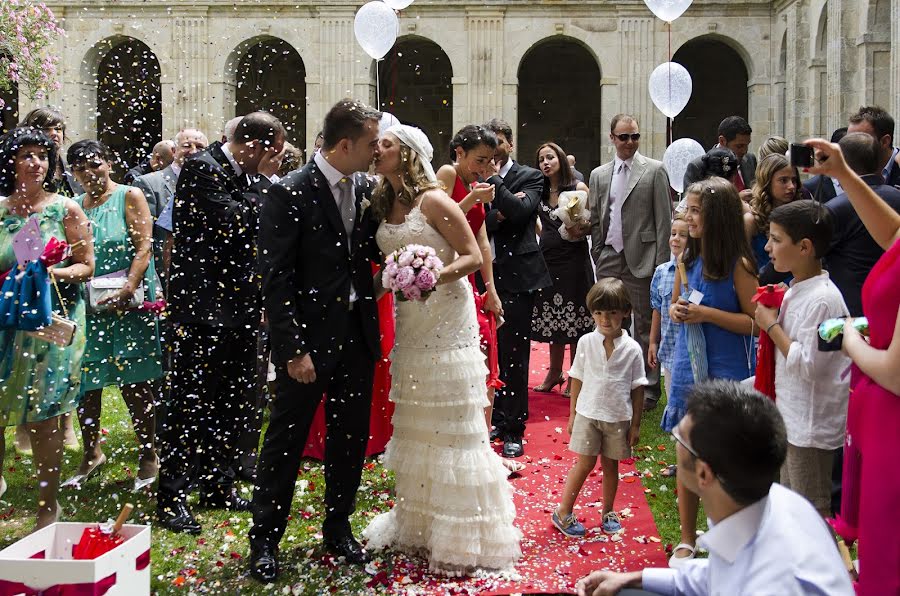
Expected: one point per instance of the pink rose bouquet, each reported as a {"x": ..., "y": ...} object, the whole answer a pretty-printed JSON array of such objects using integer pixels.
[{"x": 411, "y": 272}]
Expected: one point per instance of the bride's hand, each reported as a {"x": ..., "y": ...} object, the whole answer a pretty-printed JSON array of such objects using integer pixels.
[{"x": 492, "y": 303}]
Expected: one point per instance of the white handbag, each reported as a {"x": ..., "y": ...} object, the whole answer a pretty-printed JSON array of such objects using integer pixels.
[{"x": 100, "y": 288}]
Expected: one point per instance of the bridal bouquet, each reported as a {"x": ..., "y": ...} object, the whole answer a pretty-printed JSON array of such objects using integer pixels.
[
  {"x": 571, "y": 211},
  {"x": 411, "y": 272}
]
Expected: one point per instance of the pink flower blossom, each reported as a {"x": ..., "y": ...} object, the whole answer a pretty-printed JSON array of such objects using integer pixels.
[
  {"x": 425, "y": 280},
  {"x": 405, "y": 258},
  {"x": 433, "y": 263},
  {"x": 417, "y": 262},
  {"x": 412, "y": 293},
  {"x": 406, "y": 277}
]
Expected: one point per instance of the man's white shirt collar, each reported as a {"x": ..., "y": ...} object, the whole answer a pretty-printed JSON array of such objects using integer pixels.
[
  {"x": 504, "y": 170},
  {"x": 176, "y": 169},
  {"x": 729, "y": 537},
  {"x": 230, "y": 158},
  {"x": 619, "y": 161}
]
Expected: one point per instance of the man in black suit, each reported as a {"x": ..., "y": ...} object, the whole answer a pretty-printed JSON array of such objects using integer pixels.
[
  {"x": 214, "y": 307},
  {"x": 316, "y": 244},
  {"x": 734, "y": 134},
  {"x": 519, "y": 271},
  {"x": 879, "y": 125},
  {"x": 825, "y": 188}
]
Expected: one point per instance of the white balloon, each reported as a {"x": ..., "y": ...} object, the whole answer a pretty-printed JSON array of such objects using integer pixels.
[
  {"x": 676, "y": 160},
  {"x": 376, "y": 27},
  {"x": 398, "y": 4},
  {"x": 668, "y": 10},
  {"x": 670, "y": 88}
]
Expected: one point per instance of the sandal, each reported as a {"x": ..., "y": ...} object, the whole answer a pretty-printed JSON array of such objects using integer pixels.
[
  {"x": 669, "y": 471},
  {"x": 548, "y": 386},
  {"x": 513, "y": 467},
  {"x": 676, "y": 562}
]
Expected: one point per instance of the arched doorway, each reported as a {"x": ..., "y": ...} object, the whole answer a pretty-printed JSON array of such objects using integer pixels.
[
  {"x": 9, "y": 109},
  {"x": 415, "y": 85},
  {"x": 129, "y": 102},
  {"x": 271, "y": 76},
  {"x": 720, "y": 89},
  {"x": 559, "y": 100}
]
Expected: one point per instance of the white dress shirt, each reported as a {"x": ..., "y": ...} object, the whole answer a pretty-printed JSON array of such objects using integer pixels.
[
  {"x": 778, "y": 546},
  {"x": 618, "y": 186},
  {"x": 606, "y": 384},
  {"x": 231, "y": 160},
  {"x": 811, "y": 386},
  {"x": 334, "y": 178},
  {"x": 505, "y": 168}
]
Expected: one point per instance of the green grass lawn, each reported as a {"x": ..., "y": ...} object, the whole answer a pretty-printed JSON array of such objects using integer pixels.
[{"x": 215, "y": 562}]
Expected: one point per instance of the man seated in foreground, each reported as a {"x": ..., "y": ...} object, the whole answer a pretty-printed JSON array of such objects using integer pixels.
[{"x": 762, "y": 538}]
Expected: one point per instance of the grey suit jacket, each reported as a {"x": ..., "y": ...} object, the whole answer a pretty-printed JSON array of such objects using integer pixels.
[
  {"x": 646, "y": 214},
  {"x": 159, "y": 188}
]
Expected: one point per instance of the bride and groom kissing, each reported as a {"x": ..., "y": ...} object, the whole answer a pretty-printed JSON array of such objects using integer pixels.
[{"x": 321, "y": 227}]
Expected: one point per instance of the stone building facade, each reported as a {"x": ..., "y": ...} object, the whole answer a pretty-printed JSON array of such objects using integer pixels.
[{"x": 134, "y": 71}]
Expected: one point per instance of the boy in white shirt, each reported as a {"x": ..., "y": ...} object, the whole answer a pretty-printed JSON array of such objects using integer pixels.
[
  {"x": 811, "y": 386},
  {"x": 607, "y": 400}
]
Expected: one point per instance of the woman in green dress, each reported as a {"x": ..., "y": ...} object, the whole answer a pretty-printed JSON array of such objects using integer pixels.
[
  {"x": 40, "y": 381},
  {"x": 123, "y": 347}
]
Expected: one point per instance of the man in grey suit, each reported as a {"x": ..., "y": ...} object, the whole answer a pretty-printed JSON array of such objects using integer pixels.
[
  {"x": 159, "y": 187},
  {"x": 631, "y": 216}
]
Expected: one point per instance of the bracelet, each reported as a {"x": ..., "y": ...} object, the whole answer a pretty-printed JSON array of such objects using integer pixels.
[{"x": 769, "y": 328}]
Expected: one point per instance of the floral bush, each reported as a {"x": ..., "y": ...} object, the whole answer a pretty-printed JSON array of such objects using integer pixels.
[{"x": 27, "y": 30}]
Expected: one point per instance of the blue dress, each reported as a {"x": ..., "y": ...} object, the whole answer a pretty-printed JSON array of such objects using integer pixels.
[
  {"x": 729, "y": 356},
  {"x": 758, "y": 244}
]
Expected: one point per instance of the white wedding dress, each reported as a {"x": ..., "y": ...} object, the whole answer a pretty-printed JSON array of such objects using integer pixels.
[{"x": 454, "y": 503}]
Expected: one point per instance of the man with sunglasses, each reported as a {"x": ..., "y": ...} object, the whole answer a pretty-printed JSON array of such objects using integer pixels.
[
  {"x": 762, "y": 538},
  {"x": 631, "y": 215}
]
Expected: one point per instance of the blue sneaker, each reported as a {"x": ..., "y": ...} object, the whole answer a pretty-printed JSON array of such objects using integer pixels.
[
  {"x": 611, "y": 523},
  {"x": 568, "y": 525}
]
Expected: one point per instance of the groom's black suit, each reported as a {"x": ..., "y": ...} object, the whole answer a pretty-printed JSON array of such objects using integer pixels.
[{"x": 307, "y": 275}]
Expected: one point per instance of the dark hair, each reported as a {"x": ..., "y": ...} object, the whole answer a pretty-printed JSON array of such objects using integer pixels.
[
  {"x": 293, "y": 159},
  {"x": 84, "y": 150},
  {"x": 471, "y": 136},
  {"x": 720, "y": 162},
  {"x": 838, "y": 134},
  {"x": 724, "y": 240},
  {"x": 880, "y": 120},
  {"x": 739, "y": 433},
  {"x": 805, "y": 219},
  {"x": 761, "y": 201},
  {"x": 566, "y": 177},
  {"x": 347, "y": 120},
  {"x": 862, "y": 152},
  {"x": 608, "y": 294},
  {"x": 498, "y": 126},
  {"x": 733, "y": 126},
  {"x": 14, "y": 140},
  {"x": 259, "y": 126},
  {"x": 621, "y": 118},
  {"x": 44, "y": 118}
]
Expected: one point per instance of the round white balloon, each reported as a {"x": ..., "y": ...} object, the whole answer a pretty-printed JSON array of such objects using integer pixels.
[
  {"x": 398, "y": 4},
  {"x": 376, "y": 27},
  {"x": 676, "y": 160},
  {"x": 668, "y": 10},
  {"x": 670, "y": 88}
]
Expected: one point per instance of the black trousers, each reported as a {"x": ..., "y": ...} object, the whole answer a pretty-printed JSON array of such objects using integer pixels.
[
  {"x": 210, "y": 401},
  {"x": 514, "y": 350},
  {"x": 348, "y": 402},
  {"x": 248, "y": 443}
]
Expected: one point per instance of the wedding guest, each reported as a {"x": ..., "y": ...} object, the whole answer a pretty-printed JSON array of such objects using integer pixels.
[
  {"x": 214, "y": 306},
  {"x": 293, "y": 160},
  {"x": 763, "y": 538},
  {"x": 162, "y": 155},
  {"x": 773, "y": 144},
  {"x": 869, "y": 504},
  {"x": 631, "y": 213},
  {"x": 560, "y": 315},
  {"x": 578, "y": 175},
  {"x": 777, "y": 183},
  {"x": 519, "y": 272},
  {"x": 734, "y": 135},
  {"x": 821, "y": 188},
  {"x": 230, "y": 128},
  {"x": 37, "y": 396},
  {"x": 123, "y": 347},
  {"x": 877, "y": 123}
]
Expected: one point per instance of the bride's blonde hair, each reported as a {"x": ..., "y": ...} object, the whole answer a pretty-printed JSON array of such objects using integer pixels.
[{"x": 413, "y": 182}]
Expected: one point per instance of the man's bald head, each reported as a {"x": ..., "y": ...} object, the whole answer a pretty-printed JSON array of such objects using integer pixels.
[
  {"x": 862, "y": 152},
  {"x": 230, "y": 127},
  {"x": 188, "y": 141},
  {"x": 163, "y": 155}
]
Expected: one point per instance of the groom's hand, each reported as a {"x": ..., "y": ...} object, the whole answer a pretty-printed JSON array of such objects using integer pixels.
[{"x": 301, "y": 369}]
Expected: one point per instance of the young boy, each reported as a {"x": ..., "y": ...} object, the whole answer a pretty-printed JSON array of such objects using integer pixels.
[
  {"x": 811, "y": 386},
  {"x": 607, "y": 400}
]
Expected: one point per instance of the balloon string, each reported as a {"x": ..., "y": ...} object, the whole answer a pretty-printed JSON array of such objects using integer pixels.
[
  {"x": 669, "y": 123},
  {"x": 378, "y": 84}
]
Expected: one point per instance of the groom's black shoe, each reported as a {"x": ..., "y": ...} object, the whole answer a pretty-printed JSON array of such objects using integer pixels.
[
  {"x": 512, "y": 446},
  {"x": 264, "y": 564},
  {"x": 176, "y": 517},
  {"x": 349, "y": 548},
  {"x": 496, "y": 433},
  {"x": 229, "y": 500}
]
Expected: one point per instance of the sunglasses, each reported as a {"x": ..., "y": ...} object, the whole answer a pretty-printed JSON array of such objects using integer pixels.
[
  {"x": 625, "y": 136},
  {"x": 677, "y": 435}
]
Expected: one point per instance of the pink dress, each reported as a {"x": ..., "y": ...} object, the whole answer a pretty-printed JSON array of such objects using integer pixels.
[{"x": 870, "y": 508}]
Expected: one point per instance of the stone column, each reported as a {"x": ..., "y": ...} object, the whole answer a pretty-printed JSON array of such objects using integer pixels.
[
  {"x": 190, "y": 101},
  {"x": 485, "y": 81},
  {"x": 895, "y": 63},
  {"x": 796, "y": 76},
  {"x": 637, "y": 59},
  {"x": 337, "y": 48}
]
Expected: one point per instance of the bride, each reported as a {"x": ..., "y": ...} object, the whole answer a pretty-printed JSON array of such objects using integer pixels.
[{"x": 453, "y": 502}]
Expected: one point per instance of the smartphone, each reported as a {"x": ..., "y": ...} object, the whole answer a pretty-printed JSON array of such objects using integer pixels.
[{"x": 801, "y": 156}]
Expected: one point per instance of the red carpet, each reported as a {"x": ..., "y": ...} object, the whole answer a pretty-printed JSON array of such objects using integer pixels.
[{"x": 552, "y": 562}]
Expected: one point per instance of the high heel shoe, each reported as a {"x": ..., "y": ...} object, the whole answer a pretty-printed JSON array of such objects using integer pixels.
[
  {"x": 3, "y": 486},
  {"x": 547, "y": 386},
  {"x": 141, "y": 483},
  {"x": 78, "y": 480}
]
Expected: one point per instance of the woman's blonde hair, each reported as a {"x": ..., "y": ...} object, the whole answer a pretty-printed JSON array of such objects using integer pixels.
[
  {"x": 761, "y": 201},
  {"x": 413, "y": 182}
]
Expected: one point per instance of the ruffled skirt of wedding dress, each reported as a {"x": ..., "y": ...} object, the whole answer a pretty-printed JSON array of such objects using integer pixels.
[{"x": 454, "y": 503}]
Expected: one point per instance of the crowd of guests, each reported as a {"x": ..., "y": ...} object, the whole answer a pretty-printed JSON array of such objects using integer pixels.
[{"x": 681, "y": 275}]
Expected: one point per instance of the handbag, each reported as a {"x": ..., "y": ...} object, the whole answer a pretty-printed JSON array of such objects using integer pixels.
[
  {"x": 61, "y": 330},
  {"x": 34, "y": 297},
  {"x": 100, "y": 288}
]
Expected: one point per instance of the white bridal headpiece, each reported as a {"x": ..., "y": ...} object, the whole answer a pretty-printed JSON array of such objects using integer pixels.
[{"x": 416, "y": 140}]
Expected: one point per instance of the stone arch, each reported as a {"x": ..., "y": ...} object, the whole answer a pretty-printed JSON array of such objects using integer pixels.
[
  {"x": 559, "y": 100},
  {"x": 820, "y": 41},
  {"x": 267, "y": 73},
  {"x": 416, "y": 86},
  {"x": 720, "y": 76}
]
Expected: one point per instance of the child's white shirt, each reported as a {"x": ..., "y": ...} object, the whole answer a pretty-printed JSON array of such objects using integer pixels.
[
  {"x": 606, "y": 384},
  {"x": 811, "y": 386}
]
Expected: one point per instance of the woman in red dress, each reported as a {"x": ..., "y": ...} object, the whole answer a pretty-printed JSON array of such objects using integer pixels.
[{"x": 871, "y": 486}]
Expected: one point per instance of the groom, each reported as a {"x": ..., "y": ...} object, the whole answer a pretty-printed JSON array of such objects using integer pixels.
[{"x": 316, "y": 241}]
